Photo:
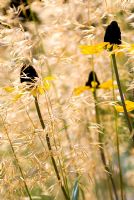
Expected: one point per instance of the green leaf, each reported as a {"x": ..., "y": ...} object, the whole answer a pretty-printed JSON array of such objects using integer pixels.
[{"x": 75, "y": 192}]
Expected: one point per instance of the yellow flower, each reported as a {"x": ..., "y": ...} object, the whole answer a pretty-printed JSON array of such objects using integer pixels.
[
  {"x": 129, "y": 106},
  {"x": 43, "y": 87},
  {"x": 93, "y": 49},
  {"x": 106, "y": 85},
  {"x": 38, "y": 89},
  {"x": 17, "y": 92},
  {"x": 98, "y": 48}
]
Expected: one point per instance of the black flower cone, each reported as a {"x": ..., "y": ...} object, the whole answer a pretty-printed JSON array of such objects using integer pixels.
[
  {"x": 92, "y": 78},
  {"x": 16, "y": 3},
  {"x": 113, "y": 33},
  {"x": 28, "y": 15},
  {"x": 28, "y": 75}
]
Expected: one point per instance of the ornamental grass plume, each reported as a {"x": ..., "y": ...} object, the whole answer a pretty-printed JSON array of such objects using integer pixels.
[{"x": 29, "y": 75}]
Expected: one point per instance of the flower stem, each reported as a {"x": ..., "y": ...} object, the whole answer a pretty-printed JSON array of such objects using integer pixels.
[
  {"x": 50, "y": 149},
  {"x": 119, "y": 163},
  {"x": 18, "y": 164},
  {"x": 118, "y": 148},
  {"x": 101, "y": 147},
  {"x": 121, "y": 93}
]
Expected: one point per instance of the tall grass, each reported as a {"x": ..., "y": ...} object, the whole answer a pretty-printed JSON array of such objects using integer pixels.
[{"x": 55, "y": 144}]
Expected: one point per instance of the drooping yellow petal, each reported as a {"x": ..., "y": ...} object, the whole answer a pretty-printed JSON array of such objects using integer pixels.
[
  {"x": 107, "y": 85},
  {"x": 46, "y": 82},
  {"x": 34, "y": 92},
  {"x": 131, "y": 49},
  {"x": 77, "y": 91},
  {"x": 49, "y": 78},
  {"x": 93, "y": 49},
  {"x": 17, "y": 97},
  {"x": 46, "y": 85},
  {"x": 40, "y": 90},
  {"x": 9, "y": 89},
  {"x": 129, "y": 106}
]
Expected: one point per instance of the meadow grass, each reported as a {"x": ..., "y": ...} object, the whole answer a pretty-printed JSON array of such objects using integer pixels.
[{"x": 66, "y": 137}]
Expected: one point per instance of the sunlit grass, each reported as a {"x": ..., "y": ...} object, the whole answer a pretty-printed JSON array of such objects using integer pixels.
[{"x": 64, "y": 137}]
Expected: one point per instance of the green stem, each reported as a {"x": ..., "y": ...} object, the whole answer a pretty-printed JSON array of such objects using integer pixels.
[
  {"x": 20, "y": 169},
  {"x": 121, "y": 93},
  {"x": 118, "y": 147},
  {"x": 101, "y": 147},
  {"x": 50, "y": 149},
  {"x": 119, "y": 163}
]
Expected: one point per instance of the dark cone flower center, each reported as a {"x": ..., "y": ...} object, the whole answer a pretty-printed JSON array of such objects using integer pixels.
[
  {"x": 113, "y": 33},
  {"x": 92, "y": 79},
  {"x": 28, "y": 74}
]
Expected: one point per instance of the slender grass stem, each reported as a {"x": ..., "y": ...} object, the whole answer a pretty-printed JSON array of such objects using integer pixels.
[
  {"x": 121, "y": 93},
  {"x": 64, "y": 121},
  {"x": 41, "y": 140},
  {"x": 70, "y": 145},
  {"x": 50, "y": 149},
  {"x": 101, "y": 147},
  {"x": 18, "y": 164}
]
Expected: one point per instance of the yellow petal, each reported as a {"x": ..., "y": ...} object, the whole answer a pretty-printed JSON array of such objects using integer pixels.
[
  {"x": 40, "y": 90},
  {"x": 77, "y": 91},
  {"x": 131, "y": 49},
  {"x": 49, "y": 78},
  {"x": 120, "y": 54},
  {"x": 17, "y": 96},
  {"x": 108, "y": 85},
  {"x": 34, "y": 92},
  {"x": 46, "y": 85},
  {"x": 129, "y": 106},
  {"x": 93, "y": 49},
  {"x": 9, "y": 89}
]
